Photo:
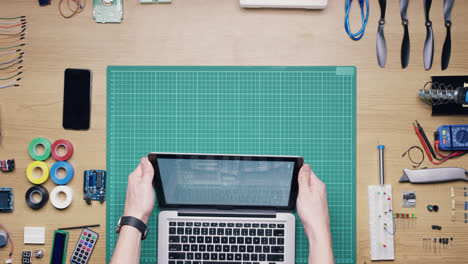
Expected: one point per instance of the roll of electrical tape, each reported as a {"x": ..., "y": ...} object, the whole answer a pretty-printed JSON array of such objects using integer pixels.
[
  {"x": 43, "y": 193},
  {"x": 54, "y": 172},
  {"x": 45, "y": 172},
  {"x": 68, "y": 150},
  {"x": 55, "y": 200},
  {"x": 33, "y": 148}
]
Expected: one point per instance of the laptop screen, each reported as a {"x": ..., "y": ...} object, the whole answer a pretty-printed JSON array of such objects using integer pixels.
[{"x": 239, "y": 181}]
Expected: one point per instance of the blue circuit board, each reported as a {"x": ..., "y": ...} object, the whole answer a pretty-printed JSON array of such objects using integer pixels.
[{"x": 94, "y": 186}]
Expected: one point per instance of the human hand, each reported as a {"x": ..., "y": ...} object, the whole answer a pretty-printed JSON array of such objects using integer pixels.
[
  {"x": 312, "y": 208},
  {"x": 140, "y": 193}
]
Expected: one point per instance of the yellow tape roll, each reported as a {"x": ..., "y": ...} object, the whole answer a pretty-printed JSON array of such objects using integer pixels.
[{"x": 45, "y": 172}]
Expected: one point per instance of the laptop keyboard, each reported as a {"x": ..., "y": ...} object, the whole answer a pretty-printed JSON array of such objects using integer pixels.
[{"x": 224, "y": 242}]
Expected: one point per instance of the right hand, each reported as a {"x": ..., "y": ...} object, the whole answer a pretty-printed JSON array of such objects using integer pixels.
[{"x": 140, "y": 193}]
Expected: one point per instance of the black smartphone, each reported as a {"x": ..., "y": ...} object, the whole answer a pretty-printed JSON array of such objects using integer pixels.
[{"x": 77, "y": 99}]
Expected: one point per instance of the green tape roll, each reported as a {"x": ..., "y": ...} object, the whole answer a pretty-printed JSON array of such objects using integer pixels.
[{"x": 33, "y": 148}]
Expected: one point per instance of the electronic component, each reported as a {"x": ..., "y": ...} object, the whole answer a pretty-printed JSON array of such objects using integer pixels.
[
  {"x": 381, "y": 223},
  {"x": 26, "y": 257},
  {"x": 34, "y": 235},
  {"x": 3, "y": 238},
  {"x": 453, "y": 137},
  {"x": 436, "y": 227},
  {"x": 105, "y": 11},
  {"x": 7, "y": 165},
  {"x": 38, "y": 253},
  {"x": 408, "y": 199},
  {"x": 432, "y": 208},
  {"x": 94, "y": 186},
  {"x": 44, "y": 2},
  {"x": 58, "y": 253},
  {"x": 6, "y": 200},
  {"x": 9, "y": 259},
  {"x": 84, "y": 247}
]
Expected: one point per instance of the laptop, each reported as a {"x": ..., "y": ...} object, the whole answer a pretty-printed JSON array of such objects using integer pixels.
[
  {"x": 307, "y": 4},
  {"x": 225, "y": 208}
]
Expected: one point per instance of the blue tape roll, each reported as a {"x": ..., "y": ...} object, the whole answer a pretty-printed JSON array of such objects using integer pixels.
[{"x": 68, "y": 168}]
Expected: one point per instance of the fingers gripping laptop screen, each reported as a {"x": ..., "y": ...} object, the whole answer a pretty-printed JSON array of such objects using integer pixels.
[{"x": 222, "y": 182}]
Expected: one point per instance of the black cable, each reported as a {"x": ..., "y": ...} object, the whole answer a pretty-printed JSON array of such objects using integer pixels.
[
  {"x": 415, "y": 164},
  {"x": 78, "y": 227}
]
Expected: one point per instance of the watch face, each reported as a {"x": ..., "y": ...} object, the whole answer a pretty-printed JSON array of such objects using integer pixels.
[{"x": 117, "y": 229}]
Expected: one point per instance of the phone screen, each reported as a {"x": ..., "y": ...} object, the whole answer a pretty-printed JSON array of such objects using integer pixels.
[{"x": 77, "y": 99}]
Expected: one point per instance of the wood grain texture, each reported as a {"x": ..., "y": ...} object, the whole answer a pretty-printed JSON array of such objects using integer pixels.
[{"x": 209, "y": 32}]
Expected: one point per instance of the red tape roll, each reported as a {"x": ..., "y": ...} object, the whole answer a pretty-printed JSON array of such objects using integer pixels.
[{"x": 67, "y": 145}]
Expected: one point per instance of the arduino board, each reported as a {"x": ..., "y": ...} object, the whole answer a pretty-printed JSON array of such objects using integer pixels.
[{"x": 94, "y": 186}]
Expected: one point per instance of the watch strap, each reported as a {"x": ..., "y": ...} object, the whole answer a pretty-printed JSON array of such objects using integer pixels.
[{"x": 136, "y": 223}]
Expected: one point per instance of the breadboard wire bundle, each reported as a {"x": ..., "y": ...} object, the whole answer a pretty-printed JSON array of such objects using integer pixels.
[{"x": 12, "y": 36}]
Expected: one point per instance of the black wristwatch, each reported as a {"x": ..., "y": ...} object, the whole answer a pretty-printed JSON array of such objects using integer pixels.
[{"x": 135, "y": 222}]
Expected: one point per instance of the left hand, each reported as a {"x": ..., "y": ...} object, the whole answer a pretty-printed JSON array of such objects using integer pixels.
[{"x": 140, "y": 193}]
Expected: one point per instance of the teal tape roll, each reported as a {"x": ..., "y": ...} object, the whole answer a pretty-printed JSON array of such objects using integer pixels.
[{"x": 33, "y": 148}]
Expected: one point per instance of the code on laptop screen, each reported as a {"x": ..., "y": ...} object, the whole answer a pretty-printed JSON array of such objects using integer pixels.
[{"x": 226, "y": 182}]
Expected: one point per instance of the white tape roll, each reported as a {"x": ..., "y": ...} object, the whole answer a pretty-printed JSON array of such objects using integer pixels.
[{"x": 56, "y": 202}]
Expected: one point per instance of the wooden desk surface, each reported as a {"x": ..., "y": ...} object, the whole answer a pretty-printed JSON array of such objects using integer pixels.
[{"x": 203, "y": 32}]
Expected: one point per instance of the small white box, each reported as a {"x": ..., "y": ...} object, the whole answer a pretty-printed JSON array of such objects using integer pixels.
[{"x": 34, "y": 235}]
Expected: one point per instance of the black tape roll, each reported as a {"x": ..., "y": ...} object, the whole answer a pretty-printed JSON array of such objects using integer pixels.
[{"x": 42, "y": 192}]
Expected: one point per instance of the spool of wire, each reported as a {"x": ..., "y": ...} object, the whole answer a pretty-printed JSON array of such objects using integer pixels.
[{"x": 364, "y": 16}]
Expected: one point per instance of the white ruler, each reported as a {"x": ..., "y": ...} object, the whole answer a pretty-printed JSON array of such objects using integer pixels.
[{"x": 381, "y": 222}]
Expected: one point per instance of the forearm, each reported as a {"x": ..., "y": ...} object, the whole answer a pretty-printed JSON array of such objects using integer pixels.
[
  {"x": 320, "y": 251},
  {"x": 128, "y": 246}
]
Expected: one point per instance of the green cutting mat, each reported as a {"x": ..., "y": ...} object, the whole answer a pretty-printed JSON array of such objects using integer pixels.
[{"x": 306, "y": 111}]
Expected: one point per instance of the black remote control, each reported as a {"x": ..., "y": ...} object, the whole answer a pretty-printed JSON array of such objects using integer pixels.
[{"x": 84, "y": 247}]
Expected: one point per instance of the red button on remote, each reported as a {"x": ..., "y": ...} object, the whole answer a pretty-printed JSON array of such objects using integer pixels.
[{"x": 87, "y": 249}]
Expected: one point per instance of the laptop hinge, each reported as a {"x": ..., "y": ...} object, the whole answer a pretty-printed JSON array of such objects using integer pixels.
[{"x": 227, "y": 213}]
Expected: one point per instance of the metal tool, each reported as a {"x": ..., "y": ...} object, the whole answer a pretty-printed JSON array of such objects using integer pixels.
[
  {"x": 446, "y": 50},
  {"x": 405, "y": 45},
  {"x": 439, "y": 93},
  {"x": 434, "y": 175},
  {"x": 381, "y": 45},
  {"x": 381, "y": 163},
  {"x": 429, "y": 43}
]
